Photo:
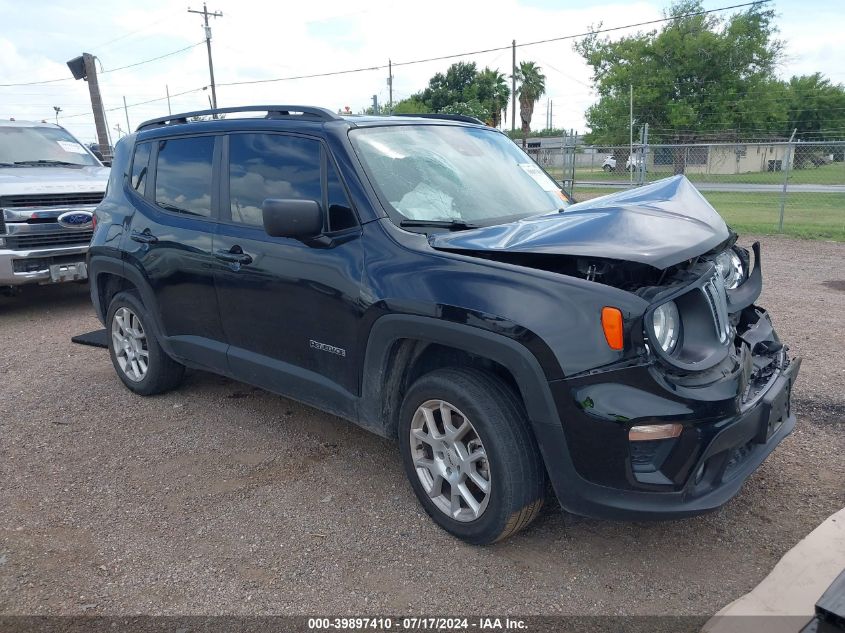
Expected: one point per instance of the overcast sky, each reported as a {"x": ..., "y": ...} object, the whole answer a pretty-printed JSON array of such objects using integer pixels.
[{"x": 265, "y": 40}]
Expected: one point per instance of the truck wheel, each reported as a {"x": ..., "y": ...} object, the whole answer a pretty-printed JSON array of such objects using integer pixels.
[
  {"x": 135, "y": 353},
  {"x": 470, "y": 456},
  {"x": 607, "y": 168}
]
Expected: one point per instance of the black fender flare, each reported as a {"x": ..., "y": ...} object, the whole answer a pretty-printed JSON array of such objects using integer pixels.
[
  {"x": 99, "y": 264},
  {"x": 522, "y": 364},
  {"x": 516, "y": 358}
]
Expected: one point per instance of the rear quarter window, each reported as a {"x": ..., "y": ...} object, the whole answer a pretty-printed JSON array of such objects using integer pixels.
[{"x": 140, "y": 167}]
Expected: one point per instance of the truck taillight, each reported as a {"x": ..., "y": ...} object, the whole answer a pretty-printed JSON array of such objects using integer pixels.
[{"x": 94, "y": 221}]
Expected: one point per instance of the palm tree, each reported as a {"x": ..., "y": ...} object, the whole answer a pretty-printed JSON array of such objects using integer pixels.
[
  {"x": 532, "y": 86},
  {"x": 490, "y": 88}
]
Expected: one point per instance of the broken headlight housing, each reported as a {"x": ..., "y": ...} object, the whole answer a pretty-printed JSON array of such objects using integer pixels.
[
  {"x": 731, "y": 267},
  {"x": 666, "y": 325}
]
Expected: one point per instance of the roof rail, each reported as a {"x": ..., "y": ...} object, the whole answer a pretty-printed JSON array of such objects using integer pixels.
[
  {"x": 308, "y": 113},
  {"x": 463, "y": 118}
]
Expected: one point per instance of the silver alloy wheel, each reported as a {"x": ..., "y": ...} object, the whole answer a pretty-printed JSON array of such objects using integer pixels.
[
  {"x": 450, "y": 460},
  {"x": 130, "y": 344}
]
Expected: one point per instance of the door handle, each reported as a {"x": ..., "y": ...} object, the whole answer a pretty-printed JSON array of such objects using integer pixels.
[
  {"x": 234, "y": 257},
  {"x": 145, "y": 237}
]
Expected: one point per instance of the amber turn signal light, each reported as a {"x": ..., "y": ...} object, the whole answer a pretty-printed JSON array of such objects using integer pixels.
[
  {"x": 611, "y": 323},
  {"x": 654, "y": 432}
]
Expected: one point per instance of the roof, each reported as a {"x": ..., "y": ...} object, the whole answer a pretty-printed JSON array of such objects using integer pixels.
[{"x": 300, "y": 113}]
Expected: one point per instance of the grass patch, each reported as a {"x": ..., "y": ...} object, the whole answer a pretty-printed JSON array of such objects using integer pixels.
[
  {"x": 806, "y": 215},
  {"x": 833, "y": 174}
]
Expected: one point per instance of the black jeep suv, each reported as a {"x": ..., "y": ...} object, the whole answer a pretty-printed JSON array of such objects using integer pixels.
[{"x": 423, "y": 278}]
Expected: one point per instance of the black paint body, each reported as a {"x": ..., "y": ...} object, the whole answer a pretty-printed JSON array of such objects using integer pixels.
[{"x": 383, "y": 295}]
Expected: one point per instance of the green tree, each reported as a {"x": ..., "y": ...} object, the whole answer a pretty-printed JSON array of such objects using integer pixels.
[
  {"x": 472, "y": 108},
  {"x": 490, "y": 89},
  {"x": 815, "y": 108},
  {"x": 699, "y": 74},
  {"x": 411, "y": 105},
  {"x": 449, "y": 88},
  {"x": 532, "y": 86},
  {"x": 462, "y": 89}
]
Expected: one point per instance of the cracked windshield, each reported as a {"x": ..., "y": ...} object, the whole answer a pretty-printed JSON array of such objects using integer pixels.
[{"x": 455, "y": 174}]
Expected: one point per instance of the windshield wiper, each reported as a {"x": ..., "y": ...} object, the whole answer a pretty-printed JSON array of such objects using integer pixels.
[
  {"x": 47, "y": 162},
  {"x": 452, "y": 225}
]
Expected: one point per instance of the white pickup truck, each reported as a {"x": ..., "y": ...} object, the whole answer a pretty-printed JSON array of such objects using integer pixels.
[{"x": 49, "y": 186}]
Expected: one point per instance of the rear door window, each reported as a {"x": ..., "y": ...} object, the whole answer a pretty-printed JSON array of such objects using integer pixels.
[{"x": 184, "y": 170}]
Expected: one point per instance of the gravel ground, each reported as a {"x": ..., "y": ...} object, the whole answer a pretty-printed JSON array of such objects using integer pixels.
[{"x": 221, "y": 498}]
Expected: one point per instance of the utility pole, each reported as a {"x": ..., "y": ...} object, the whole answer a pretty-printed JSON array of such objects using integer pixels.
[
  {"x": 167, "y": 90},
  {"x": 57, "y": 109},
  {"x": 215, "y": 14},
  {"x": 513, "y": 87},
  {"x": 126, "y": 112},
  {"x": 390, "y": 85},
  {"x": 83, "y": 67},
  {"x": 631, "y": 131},
  {"x": 787, "y": 159}
]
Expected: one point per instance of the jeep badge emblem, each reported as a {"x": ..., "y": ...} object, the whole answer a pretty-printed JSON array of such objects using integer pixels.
[{"x": 76, "y": 219}]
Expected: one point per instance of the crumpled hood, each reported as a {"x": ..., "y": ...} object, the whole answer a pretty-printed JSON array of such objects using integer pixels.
[
  {"x": 17, "y": 181},
  {"x": 661, "y": 224}
]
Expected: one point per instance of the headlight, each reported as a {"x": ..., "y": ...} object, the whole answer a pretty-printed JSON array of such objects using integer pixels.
[
  {"x": 731, "y": 268},
  {"x": 666, "y": 324}
]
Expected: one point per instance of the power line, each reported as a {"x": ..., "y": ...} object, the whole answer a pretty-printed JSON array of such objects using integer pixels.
[
  {"x": 153, "y": 59},
  {"x": 495, "y": 49},
  {"x": 146, "y": 61},
  {"x": 132, "y": 105},
  {"x": 406, "y": 63}
]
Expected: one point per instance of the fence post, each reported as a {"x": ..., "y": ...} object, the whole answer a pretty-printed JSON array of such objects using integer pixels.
[{"x": 788, "y": 160}]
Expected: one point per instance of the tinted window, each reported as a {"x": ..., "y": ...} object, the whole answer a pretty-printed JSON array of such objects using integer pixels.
[
  {"x": 140, "y": 164},
  {"x": 183, "y": 175},
  {"x": 341, "y": 215},
  {"x": 265, "y": 166}
]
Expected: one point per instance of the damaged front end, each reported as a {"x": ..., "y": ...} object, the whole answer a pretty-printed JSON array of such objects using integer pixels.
[
  {"x": 698, "y": 392},
  {"x": 700, "y": 400}
]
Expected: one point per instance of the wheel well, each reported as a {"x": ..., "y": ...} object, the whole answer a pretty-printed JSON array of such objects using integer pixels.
[
  {"x": 415, "y": 358},
  {"x": 108, "y": 285}
]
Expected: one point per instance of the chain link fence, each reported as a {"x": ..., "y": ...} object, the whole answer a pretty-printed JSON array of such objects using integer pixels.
[{"x": 762, "y": 186}]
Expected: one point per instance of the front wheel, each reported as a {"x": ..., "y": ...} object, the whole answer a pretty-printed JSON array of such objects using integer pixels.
[
  {"x": 607, "y": 168},
  {"x": 470, "y": 456}
]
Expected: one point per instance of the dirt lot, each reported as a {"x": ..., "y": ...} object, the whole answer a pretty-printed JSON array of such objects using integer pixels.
[{"x": 221, "y": 498}]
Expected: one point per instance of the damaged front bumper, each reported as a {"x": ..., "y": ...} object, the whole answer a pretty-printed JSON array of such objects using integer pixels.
[{"x": 732, "y": 418}]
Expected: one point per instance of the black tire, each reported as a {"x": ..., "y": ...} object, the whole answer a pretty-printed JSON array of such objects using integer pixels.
[
  {"x": 517, "y": 475},
  {"x": 162, "y": 373},
  {"x": 607, "y": 168}
]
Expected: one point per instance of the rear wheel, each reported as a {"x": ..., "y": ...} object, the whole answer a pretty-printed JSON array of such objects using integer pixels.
[
  {"x": 470, "y": 456},
  {"x": 138, "y": 359},
  {"x": 607, "y": 168}
]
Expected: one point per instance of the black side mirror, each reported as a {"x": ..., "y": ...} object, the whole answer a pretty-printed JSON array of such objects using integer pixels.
[
  {"x": 99, "y": 155},
  {"x": 298, "y": 219}
]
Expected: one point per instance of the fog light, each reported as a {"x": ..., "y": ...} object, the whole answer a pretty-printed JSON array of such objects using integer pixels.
[{"x": 648, "y": 432}]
